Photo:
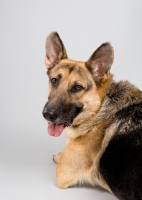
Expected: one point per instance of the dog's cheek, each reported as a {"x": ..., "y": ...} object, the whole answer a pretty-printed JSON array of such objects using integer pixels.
[
  {"x": 91, "y": 105},
  {"x": 92, "y": 102}
]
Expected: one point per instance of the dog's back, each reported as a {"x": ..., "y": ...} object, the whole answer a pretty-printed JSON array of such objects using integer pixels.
[{"x": 121, "y": 163}]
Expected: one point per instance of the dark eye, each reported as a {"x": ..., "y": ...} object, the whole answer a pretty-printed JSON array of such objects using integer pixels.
[
  {"x": 53, "y": 81},
  {"x": 78, "y": 87}
]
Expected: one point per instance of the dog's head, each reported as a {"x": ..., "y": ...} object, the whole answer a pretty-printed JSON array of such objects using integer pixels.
[{"x": 76, "y": 89}]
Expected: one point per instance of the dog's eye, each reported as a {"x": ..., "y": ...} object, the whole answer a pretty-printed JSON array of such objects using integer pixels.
[
  {"x": 78, "y": 87},
  {"x": 53, "y": 81}
]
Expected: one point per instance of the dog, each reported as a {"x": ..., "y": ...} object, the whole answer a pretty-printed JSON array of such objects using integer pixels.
[{"x": 102, "y": 119}]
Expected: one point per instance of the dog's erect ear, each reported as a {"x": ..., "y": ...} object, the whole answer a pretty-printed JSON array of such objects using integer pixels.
[
  {"x": 55, "y": 50},
  {"x": 100, "y": 62}
]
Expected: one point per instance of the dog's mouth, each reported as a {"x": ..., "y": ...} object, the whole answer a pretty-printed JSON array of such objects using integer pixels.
[
  {"x": 59, "y": 118},
  {"x": 57, "y": 129}
]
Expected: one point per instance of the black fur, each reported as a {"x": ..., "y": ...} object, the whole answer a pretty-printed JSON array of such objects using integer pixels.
[{"x": 121, "y": 163}]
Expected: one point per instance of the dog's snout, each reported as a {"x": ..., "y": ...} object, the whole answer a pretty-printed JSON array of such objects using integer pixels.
[
  {"x": 52, "y": 115},
  {"x": 49, "y": 114}
]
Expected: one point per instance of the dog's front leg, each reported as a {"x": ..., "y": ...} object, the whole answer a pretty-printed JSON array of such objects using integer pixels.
[
  {"x": 65, "y": 176},
  {"x": 64, "y": 179},
  {"x": 57, "y": 158}
]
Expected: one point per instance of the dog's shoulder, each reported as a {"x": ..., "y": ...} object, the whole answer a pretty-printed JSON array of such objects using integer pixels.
[
  {"x": 123, "y": 93},
  {"x": 120, "y": 164},
  {"x": 125, "y": 102}
]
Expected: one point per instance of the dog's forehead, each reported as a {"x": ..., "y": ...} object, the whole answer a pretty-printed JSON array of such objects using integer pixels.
[{"x": 68, "y": 67}]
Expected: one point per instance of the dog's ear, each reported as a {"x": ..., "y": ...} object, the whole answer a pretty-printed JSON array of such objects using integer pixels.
[
  {"x": 55, "y": 50},
  {"x": 100, "y": 62}
]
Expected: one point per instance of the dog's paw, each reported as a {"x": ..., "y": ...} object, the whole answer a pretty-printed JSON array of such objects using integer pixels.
[{"x": 56, "y": 158}]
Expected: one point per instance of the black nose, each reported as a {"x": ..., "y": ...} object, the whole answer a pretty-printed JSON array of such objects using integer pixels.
[{"x": 49, "y": 114}]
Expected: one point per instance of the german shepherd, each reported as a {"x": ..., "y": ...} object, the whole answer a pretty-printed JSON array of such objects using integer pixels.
[{"x": 102, "y": 120}]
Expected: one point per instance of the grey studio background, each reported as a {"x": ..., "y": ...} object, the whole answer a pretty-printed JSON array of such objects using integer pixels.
[{"x": 27, "y": 171}]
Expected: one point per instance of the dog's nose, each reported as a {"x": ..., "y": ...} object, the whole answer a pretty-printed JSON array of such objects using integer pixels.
[{"x": 50, "y": 115}]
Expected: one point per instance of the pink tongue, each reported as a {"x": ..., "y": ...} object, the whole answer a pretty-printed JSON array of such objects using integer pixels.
[{"x": 55, "y": 129}]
